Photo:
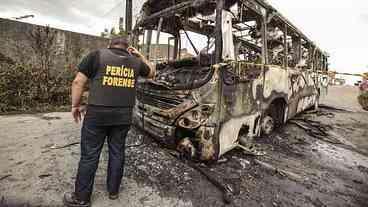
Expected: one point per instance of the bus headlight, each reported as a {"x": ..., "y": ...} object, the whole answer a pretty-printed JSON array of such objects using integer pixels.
[{"x": 195, "y": 117}]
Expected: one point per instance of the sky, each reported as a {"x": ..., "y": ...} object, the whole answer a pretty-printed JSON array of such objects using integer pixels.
[{"x": 338, "y": 27}]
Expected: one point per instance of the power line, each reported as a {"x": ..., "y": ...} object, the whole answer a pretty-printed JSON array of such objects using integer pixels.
[
  {"x": 112, "y": 9},
  {"x": 107, "y": 13}
]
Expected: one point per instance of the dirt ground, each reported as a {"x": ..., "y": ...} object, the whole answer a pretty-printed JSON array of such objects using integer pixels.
[{"x": 317, "y": 159}]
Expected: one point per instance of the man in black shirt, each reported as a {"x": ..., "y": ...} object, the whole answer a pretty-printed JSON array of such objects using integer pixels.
[{"x": 112, "y": 75}]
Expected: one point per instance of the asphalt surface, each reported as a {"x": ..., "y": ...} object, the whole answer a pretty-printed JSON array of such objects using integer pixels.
[{"x": 300, "y": 168}]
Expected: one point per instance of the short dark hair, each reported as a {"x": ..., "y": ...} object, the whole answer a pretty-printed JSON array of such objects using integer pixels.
[{"x": 121, "y": 41}]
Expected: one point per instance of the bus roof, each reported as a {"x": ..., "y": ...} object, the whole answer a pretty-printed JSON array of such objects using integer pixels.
[{"x": 152, "y": 10}]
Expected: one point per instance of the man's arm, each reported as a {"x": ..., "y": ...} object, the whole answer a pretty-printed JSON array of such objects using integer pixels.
[
  {"x": 78, "y": 85},
  {"x": 152, "y": 68}
]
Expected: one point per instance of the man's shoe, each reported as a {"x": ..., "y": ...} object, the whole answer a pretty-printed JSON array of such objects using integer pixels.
[
  {"x": 71, "y": 200},
  {"x": 113, "y": 196}
]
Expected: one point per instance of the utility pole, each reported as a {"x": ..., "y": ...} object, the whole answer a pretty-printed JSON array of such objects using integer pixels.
[
  {"x": 121, "y": 24},
  {"x": 128, "y": 15}
]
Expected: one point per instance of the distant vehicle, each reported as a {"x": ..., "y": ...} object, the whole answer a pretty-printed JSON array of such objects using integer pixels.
[
  {"x": 340, "y": 81},
  {"x": 256, "y": 71},
  {"x": 363, "y": 97},
  {"x": 363, "y": 86},
  {"x": 358, "y": 83}
]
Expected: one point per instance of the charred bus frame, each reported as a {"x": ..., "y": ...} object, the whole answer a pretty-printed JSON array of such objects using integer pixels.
[{"x": 262, "y": 72}]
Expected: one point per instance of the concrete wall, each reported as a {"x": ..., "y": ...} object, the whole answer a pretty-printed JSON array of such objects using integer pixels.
[{"x": 69, "y": 47}]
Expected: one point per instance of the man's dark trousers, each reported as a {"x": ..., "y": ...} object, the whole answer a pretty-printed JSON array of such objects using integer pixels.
[{"x": 92, "y": 140}]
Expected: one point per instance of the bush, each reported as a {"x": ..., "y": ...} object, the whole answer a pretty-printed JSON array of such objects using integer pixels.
[
  {"x": 363, "y": 100},
  {"x": 23, "y": 88}
]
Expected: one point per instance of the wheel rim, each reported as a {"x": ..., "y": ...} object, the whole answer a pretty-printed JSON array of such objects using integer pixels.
[{"x": 268, "y": 125}]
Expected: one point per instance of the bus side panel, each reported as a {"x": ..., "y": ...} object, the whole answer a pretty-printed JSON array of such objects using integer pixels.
[
  {"x": 276, "y": 86},
  {"x": 242, "y": 86},
  {"x": 303, "y": 92},
  {"x": 296, "y": 88},
  {"x": 248, "y": 91}
]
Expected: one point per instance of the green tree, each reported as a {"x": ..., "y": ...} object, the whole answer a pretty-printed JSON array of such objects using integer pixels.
[
  {"x": 113, "y": 33},
  {"x": 105, "y": 33}
]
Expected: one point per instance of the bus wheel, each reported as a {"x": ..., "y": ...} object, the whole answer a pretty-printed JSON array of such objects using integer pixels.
[
  {"x": 273, "y": 117},
  {"x": 268, "y": 125}
]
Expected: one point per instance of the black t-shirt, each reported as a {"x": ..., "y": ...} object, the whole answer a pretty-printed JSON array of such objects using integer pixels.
[{"x": 105, "y": 115}]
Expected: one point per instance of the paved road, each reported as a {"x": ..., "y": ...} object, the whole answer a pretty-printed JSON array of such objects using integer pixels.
[
  {"x": 40, "y": 177},
  {"x": 345, "y": 97},
  {"x": 333, "y": 175}
]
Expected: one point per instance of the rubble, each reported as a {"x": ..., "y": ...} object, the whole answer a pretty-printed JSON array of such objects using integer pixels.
[
  {"x": 5, "y": 176},
  {"x": 281, "y": 172},
  {"x": 315, "y": 129}
]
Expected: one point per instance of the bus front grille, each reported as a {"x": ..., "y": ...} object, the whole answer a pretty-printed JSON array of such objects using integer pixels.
[{"x": 158, "y": 101}]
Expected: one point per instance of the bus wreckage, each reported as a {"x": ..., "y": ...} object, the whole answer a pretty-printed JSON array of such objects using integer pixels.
[{"x": 254, "y": 71}]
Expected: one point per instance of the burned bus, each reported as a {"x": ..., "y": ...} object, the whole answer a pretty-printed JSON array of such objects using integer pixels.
[{"x": 251, "y": 71}]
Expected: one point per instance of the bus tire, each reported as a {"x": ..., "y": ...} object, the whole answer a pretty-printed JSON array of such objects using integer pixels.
[
  {"x": 273, "y": 117},
  {"x": 268, "y": 125}
]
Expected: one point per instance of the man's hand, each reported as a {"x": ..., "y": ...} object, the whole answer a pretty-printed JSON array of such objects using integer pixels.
[
  {"x": 139, "y": 55},
  {"x": 135, "y": 52},
  {"x": 77, "y": 92},
  {"x": 78, "y": 112}
]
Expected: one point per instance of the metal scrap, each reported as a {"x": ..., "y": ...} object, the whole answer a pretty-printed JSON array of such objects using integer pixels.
[
  {"x": 5, "y": 176},
  {"x": 279, "y": 171},
  {"x": 53, "y": 147},
  {"x": 225, "y": 188},
  {"x": 316, "y": 129}
]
